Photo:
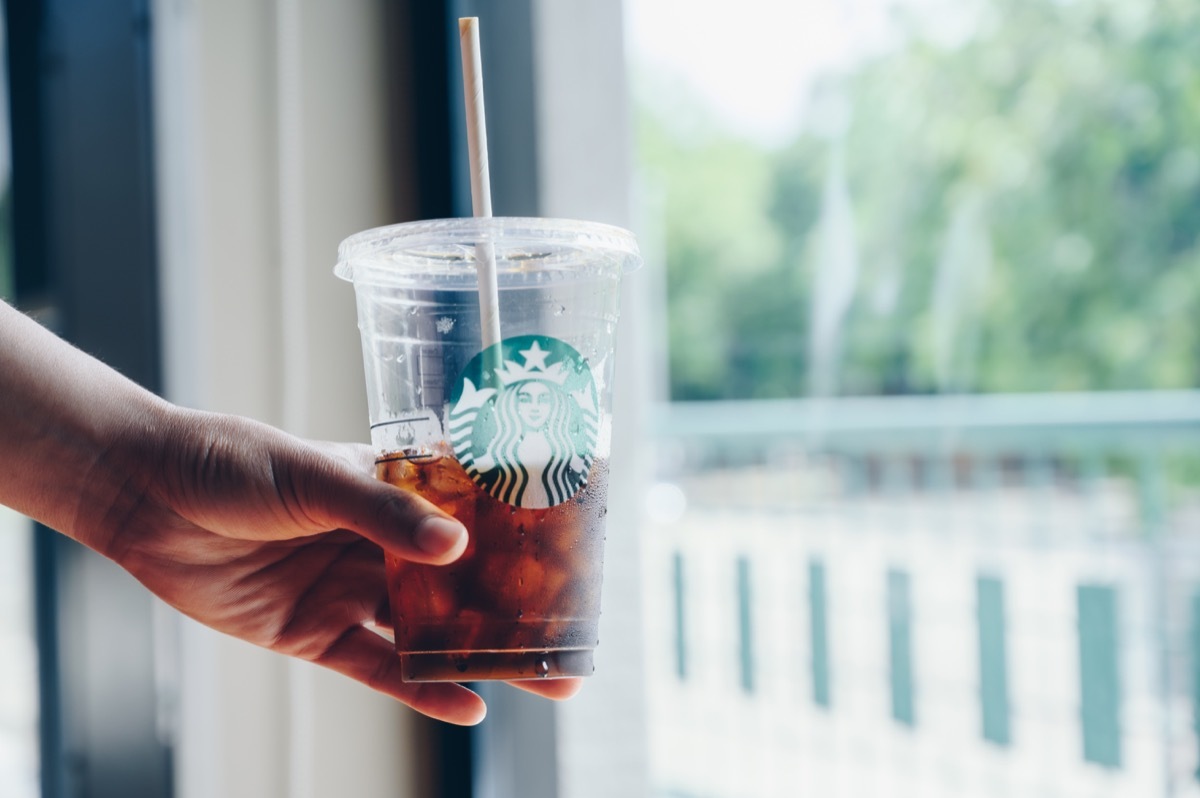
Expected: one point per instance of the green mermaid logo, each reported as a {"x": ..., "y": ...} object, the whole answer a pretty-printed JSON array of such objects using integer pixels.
[{"x": 526, "y": 430}]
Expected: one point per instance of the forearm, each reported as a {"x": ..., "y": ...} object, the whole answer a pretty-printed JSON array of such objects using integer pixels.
[
  {"x": 62, "y": 414},
  {"x": 255, "y": 533}
]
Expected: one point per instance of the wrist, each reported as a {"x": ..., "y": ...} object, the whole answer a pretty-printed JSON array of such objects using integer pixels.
[
  {"x": 78, "y": 441},
  {"x": 120, "y": 466}
]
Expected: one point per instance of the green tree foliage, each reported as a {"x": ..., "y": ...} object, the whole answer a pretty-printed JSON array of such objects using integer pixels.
[
  {"x": 733, "y": 324},
  {"x": 1026, "y": 214}
]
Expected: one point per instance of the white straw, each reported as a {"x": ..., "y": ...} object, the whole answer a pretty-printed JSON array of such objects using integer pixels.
[{"x": 481, "y": 184}]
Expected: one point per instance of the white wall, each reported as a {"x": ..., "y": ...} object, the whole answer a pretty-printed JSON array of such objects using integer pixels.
[
  {"x": 270, "y": 144},
  {"x": 18, "y": 659}
]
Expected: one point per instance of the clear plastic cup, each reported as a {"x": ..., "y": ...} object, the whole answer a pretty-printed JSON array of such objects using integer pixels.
[{"x": 513, "y": 441}]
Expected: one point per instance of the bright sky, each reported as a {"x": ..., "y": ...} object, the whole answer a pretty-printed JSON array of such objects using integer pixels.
[{"x": 753, "y": 60}]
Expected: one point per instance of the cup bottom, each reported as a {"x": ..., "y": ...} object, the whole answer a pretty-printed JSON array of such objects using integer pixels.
[{"x": 477, "y": 666}]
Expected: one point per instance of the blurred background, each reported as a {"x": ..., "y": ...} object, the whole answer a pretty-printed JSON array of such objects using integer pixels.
[
  {"x": 927, "y": 496},
  {"x": 906, "y": 489}
]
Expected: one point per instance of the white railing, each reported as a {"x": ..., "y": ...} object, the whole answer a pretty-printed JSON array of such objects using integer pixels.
[{"x": 926, "y": 596}]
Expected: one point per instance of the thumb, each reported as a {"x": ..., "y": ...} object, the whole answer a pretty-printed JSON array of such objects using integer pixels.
[{"x": 336, "y": 490}]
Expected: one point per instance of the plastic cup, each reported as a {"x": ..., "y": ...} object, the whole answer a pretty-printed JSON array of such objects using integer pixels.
[{"x": 513, "y": 440}]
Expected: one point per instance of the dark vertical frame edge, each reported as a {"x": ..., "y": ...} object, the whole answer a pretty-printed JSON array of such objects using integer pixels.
[
  {"x": 54, "y": 111},
  {"x": 429, "y": 176},
  {"x": 421, "y": 135}
]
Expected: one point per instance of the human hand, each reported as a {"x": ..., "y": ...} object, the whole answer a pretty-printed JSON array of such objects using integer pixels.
[
  {"x": 238, "y": 525},
  {"x": 280, "y": 542}
]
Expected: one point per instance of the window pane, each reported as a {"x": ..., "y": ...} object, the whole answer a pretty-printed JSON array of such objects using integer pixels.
[
  {"x": 1099, "y": 682},
  {"x": 993, "y": 661},
  {"x": 745, "y": 626},
  {"x": 680, "y": 617},
  {"x": 929, "y": 274},
  {"x": 818, "y": 629},
  {"x": 899, "y": 609},
  {"x": 834, "y": 222}
]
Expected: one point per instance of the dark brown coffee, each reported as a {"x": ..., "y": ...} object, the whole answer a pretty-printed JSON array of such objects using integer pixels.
[{"x": 523, "y": 602}]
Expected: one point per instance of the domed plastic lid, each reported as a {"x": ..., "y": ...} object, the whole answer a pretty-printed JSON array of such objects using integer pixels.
[{"x": 443, "y": 252}]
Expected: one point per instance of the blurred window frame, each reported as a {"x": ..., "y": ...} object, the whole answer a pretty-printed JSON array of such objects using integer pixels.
[{"x": 86, "y": 266}]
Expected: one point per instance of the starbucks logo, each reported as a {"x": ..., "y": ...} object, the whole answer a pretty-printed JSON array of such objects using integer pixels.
[{"x": 524, "y": 421}]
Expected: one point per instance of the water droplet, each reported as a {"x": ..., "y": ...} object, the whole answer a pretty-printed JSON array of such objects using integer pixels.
[
  {"x": 541, "y": 667},
  {"x": 420, "y": 390},
  {"x": 461, "y": 665},
  {"x": 558, "y": 311},
  {"x": 412, "y": 311},
  {"x": 520, "y": 613},
  {"x": 520, "y": 581},
  {"x": 400, "y": 358}
]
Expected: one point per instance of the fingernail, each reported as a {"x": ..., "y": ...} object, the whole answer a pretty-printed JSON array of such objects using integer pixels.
[{"x": 438, "y": 535}]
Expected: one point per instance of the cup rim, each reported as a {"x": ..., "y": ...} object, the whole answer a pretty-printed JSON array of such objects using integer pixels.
[{"x": 397, "y": 248}]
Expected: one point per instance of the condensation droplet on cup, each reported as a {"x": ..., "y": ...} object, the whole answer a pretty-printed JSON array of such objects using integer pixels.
[
  {"x": 561, "y": 309},
  {"x": 541, "y": 668}
]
